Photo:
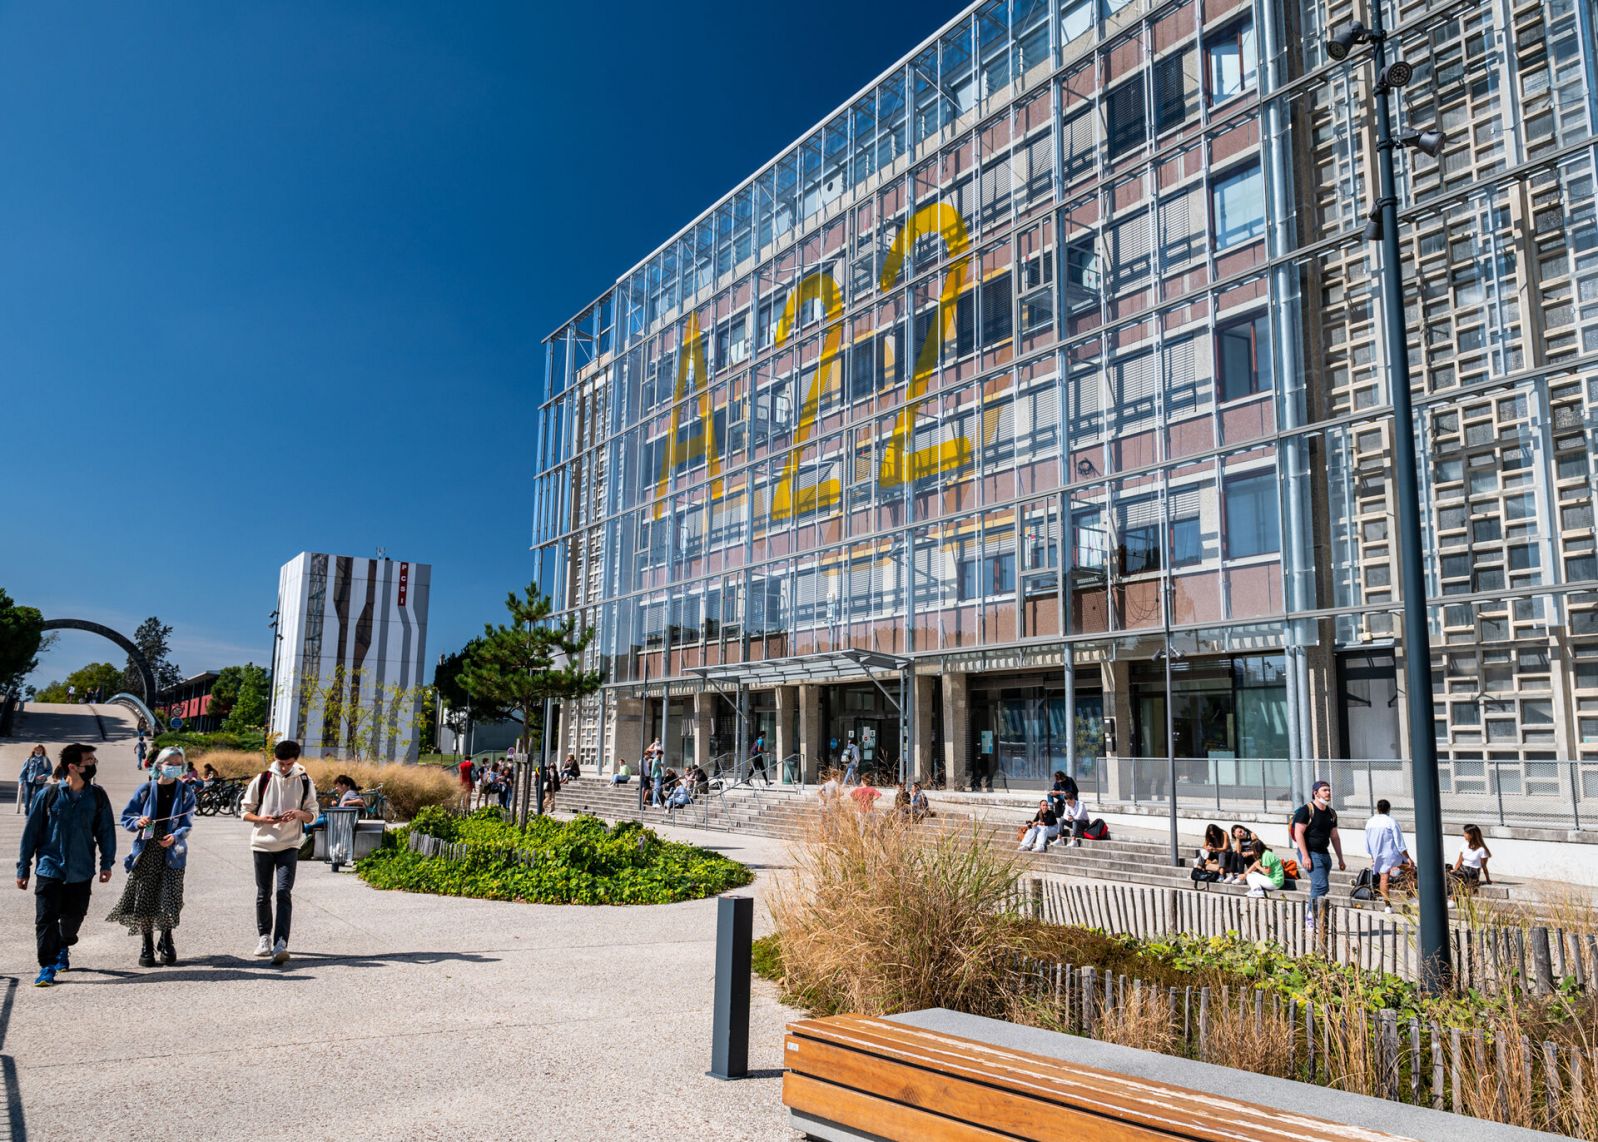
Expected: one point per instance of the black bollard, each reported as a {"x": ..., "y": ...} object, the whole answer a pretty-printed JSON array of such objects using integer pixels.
[{"x": 729, "y": 1046}]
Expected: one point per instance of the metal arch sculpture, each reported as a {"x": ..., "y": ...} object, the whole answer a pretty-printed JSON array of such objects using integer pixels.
[{"x": 146, "y": 675}]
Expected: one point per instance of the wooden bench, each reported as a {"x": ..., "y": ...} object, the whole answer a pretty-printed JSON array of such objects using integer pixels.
[{"x": 850, "y": 1076}]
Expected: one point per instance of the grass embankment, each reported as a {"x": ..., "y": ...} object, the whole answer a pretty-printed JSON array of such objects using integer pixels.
[
  {"x": 880, "y": 917},
  {"x": 409, "y": 788},
  {"x": 581, "y": 861}
]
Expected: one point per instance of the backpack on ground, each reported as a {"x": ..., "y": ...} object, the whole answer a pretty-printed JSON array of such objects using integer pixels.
[
  {"x": 1290, "y": 868},
  {"x": 1097, "y": 830},
  {"x": 1364, "y": 886},
  {"x": 1205, "y": 876}
]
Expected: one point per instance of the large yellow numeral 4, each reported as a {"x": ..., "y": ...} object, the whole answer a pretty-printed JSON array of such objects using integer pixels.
[
  {"x": 703, "y": 441},
  {"x": 787, "y": 500},
  {"x": 902, "y": 463}
]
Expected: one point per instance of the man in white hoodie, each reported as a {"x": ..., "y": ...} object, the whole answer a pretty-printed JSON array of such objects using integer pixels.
[{"x": 278, "y": 803}]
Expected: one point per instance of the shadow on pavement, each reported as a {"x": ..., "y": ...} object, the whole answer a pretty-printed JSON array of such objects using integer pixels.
[
  {"x": 225, "y": 968},
  {"x": 8, "y": 1069}
]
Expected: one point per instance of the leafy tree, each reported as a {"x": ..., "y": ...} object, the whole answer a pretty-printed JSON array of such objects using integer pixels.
[
  {"x": 239, "y": 697},
  {"x": 152, "y": 640},
  {"x": 20, "y": 641},
  {"x": 103, "y": 675},
  {"x": 356, "y": 717},
  {"x": 54, "y": 692},
  {"x": 532, "y": 659},
  {"x": 460, "y": 706}
]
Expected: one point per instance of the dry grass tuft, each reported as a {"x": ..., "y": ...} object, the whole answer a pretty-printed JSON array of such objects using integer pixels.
[
  {"x": 881, "y": 915},
  {"x": 407, "y": 787},
  {"x": 1144, "y": 1021}
]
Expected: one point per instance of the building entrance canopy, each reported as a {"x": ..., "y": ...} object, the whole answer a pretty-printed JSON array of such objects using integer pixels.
[{"x": 827, "y": 666}]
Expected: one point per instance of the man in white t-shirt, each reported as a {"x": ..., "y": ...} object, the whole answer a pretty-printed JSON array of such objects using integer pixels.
[{"x": 1384, "y": 842}]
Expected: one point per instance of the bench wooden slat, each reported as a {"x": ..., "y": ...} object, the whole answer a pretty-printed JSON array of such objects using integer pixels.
[
  {"x": 878, "y": 1115},
  {"x": 946, "y": 1094},
  {"x": 1095, "y": 1097}
]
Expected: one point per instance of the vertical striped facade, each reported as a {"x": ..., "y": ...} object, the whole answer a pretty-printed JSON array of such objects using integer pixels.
[{"x": 350, "y": 666}]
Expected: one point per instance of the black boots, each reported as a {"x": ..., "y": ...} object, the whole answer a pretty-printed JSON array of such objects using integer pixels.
[{"x": 169, "y": 954}]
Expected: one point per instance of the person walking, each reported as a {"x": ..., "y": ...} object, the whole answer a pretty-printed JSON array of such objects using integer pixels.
[
  {"x": 33, "y": 779},
  {"x": 1384, "y": 844},
  {"x": 851, "y": 763},
  {"x": 160, "y": 815},
  {"x": 277, "y": 803},
  {"x": 1314, "y": 829},
  {"x": 139, "y": 751},
  {"x": 67, "y": 823},
  {"x": 657, "y": 775}
]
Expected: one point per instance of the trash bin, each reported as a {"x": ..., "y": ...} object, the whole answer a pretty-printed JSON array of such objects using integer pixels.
[{"x": 341, "y": 836}]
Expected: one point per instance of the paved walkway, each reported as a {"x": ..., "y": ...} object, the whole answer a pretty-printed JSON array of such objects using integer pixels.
[{"x": 400, "y": 1016}]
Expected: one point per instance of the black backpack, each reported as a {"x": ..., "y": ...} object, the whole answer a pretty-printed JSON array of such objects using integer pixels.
[
  {"x": 260, "y": 787},
  {"x": 1364, "y": 886}
]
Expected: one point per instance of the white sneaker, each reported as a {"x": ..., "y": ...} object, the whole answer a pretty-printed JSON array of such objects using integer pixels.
[
  {"x": 1388, "y": 910},
  {"x": 264, "y": 947},
  {"x": 280, "y": 952},
  {"x": 1256, "y": 893}
]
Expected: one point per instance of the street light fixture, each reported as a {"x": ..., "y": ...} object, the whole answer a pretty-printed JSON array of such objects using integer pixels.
[{"x": 1435, "y": 969}]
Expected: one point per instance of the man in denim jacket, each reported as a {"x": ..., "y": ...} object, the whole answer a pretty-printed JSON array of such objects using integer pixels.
[{"x": 65, "y": 825}]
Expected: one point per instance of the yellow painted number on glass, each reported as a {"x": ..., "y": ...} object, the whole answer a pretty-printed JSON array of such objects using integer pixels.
[
  {"x": 703, "y": 440},
  {"x": 902, "y": 462},
  {"x": 787, "y": 500}
]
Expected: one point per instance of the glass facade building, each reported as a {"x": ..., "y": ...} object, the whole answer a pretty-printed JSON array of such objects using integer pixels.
[{"x": 1030, "y": 413}]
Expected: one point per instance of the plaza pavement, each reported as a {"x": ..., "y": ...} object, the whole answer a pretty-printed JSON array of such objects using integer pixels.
[{"x": 400, "y": 1016}]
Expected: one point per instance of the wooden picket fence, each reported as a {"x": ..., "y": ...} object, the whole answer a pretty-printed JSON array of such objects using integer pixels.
[
  {"x": 431, "y": 846},
  {"x": 1405, "y": 1060},
  {"x": 1532, "y": 958}
]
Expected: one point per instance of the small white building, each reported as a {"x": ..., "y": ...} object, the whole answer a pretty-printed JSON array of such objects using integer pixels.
[{"x": 349, "y": 662}]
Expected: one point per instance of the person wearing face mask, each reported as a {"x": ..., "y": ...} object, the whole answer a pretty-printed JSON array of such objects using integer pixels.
[
  {"x": 277, "y": 803},
  {"x": 160, "y": 815},
  {"x": 67, "y": 823},
  {"x": 1314, "y": 829}
]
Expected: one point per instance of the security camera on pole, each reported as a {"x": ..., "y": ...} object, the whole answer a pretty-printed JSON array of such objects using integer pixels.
[{"x": 1382, "y": 226}]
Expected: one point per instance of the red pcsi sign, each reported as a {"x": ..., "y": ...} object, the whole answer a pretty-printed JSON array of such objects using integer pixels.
[{"x": 405, "y": 581}]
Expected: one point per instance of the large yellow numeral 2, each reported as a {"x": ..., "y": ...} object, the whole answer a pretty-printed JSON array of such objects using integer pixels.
[
  {"x": 703, "y": 441},
  {"x": 901, "y": 463},
  {"x": 787, "y": 500}
]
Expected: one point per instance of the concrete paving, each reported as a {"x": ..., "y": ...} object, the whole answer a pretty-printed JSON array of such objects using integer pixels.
[{"x": 400, "y": 1016}]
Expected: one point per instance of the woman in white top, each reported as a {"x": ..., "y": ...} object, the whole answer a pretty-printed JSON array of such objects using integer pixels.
[{"x": 1470, "y": 866}]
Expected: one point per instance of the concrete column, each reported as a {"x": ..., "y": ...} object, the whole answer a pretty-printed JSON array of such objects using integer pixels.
[
  {"x": 811, "y": 742},
  {"x": 626, "y": 735},
  {"x": 704, "y": 717},
  {"x": 956, "y": 730},
  {"x": 1118, "y": 700},
  {"x": 785, "y": 741},
  {"x": 926, "y": 686},
  {"x": 1325, "y": 735}
]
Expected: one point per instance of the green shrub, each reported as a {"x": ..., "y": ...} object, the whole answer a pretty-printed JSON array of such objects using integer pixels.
[{"x": 581, "y": 861}]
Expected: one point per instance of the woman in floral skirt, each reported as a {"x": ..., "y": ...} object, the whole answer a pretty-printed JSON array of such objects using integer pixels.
[{"x": 160, "y": 813}]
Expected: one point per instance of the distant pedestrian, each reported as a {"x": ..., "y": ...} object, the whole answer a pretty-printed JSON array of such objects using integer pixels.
[
  {"x": 465, "y": 770},
  {"x": 551, "y": 786},
  {"x": 139, "y": 752},
  {"x": 657, "y": 774},
  {"x": 1314, "y": 830},
  {"x": 851, "y": 763},
  {"x": 67, "y": 823},
  {"x": 72, "y": 695},
  {"x": 33, "y": 779},
  {"x": 160, "y": 814},
  {"x": 277, "y": 803}
]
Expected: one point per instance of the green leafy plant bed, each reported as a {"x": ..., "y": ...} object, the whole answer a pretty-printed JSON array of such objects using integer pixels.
[
  {"x": 581, "y": 861},
  {"x": 198, "y": 745}
]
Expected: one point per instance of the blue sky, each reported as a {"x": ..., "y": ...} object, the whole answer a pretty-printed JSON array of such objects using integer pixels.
[{"x": 273, "y": 277}]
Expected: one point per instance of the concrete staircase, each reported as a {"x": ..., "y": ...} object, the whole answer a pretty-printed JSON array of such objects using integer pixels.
[{"x": 782, "y": 813}]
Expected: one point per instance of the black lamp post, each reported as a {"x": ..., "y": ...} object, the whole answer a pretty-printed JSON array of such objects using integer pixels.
[{"x": 1435, "y": 968}]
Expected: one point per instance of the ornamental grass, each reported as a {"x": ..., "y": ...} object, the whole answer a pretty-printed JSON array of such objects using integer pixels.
[{"x": 409, "y": 788}]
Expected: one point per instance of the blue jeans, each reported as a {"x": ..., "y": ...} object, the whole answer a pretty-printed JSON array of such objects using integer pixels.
[{"x": 1320, "y": 878}]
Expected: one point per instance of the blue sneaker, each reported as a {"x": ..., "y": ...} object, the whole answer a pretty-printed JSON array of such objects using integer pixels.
[
  {"x": 64, "y": 960},
  {"x": 46, "y": 977}
]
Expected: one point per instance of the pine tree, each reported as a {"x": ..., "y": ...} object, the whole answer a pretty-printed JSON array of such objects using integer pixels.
[{"x": 532, "y": 659}]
